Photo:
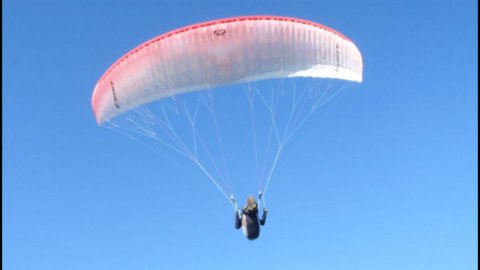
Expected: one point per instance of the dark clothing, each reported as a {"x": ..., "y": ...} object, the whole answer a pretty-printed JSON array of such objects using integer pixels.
[{"x": 250, "y": 223}]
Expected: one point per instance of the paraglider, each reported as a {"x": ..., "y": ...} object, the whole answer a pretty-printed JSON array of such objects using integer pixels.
[
  {"x": 209, "y": 55},
  {"x": 249, "y": 220}
]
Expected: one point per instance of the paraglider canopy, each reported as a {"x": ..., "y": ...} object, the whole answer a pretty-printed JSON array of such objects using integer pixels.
[{"x": 222, "y": 52}]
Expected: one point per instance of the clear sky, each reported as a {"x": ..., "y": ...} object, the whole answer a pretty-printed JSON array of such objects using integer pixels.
[{"x": 387, "y": 179}]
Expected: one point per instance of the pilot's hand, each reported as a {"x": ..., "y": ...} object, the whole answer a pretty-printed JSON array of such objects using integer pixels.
[{"x": 265, "y": 209}]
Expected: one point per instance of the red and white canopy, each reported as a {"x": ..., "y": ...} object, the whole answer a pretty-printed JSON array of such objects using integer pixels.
[{"x": 222, "y": 52}]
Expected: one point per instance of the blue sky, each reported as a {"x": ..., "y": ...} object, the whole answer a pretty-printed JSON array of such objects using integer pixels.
[{"x": 386, "y": 179}]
